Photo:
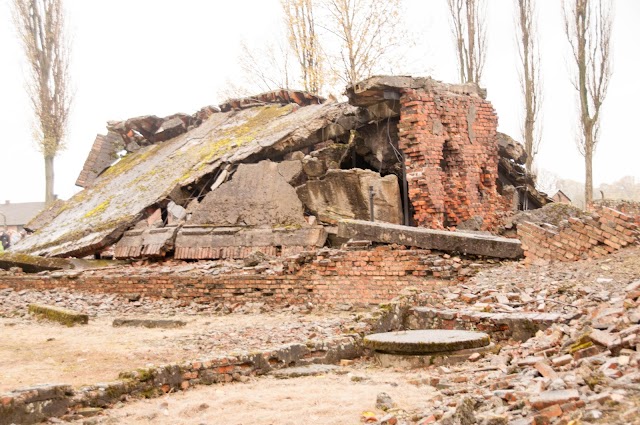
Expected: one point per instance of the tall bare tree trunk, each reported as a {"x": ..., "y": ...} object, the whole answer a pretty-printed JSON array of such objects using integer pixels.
[
  {"x": 40, "y": 26},
  {"x": 468, "y": 27},
  {"x": 301, "y": 27},
  {"x": 588, "y": 169},
  {"x": 588, "y": 26},
  {"x": 49, "y": 180},
  {"x": 530, "y": 76}
]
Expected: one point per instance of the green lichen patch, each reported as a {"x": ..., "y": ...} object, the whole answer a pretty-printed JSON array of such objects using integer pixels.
[
  {"x": 219, "y": 143},
  {"x": 99, "y": 209}
]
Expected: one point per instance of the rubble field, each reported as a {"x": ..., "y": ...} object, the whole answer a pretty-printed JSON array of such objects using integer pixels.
[{"x": 581, "y": 370}]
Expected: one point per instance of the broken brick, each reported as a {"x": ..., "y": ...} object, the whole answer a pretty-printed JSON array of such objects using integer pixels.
[{"x": 549, "y": 398}]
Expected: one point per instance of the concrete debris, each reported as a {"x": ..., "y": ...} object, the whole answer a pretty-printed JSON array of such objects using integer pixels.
[
  {"x": 425, "y": 341},
  {"x": 206, "y": 242},
  {"x": 149, "y": 323},
  {"x": 32, "y": 264},
  {"x": 513, "y": 173},
  {"x": 511, "y": 150},
  {"x": 255, "y": 258},
  {"x": 146, "y": 243},
  {"x": 384, "y": 402},
  {"x": 311, "y": 370},
  {"x": 277, "y": 96},
  {"x": 248, "y": 199},
  {"x": 348, "y": 194},
  {"x": 287, "y": 159},
  {"x": 465, "y": 243},
  {"x": 61, "y": 315}
]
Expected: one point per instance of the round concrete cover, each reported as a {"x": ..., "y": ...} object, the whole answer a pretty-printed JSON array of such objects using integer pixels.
[{"x": 425, "y": 342}]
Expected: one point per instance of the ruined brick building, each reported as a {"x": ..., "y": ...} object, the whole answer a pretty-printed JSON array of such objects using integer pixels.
[{"x": 277, "y": 172}]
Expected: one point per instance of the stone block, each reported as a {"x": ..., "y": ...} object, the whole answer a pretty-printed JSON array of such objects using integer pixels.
[
  {"x": 549, "y": 398},
  {"x": 57, "y": 314},
  {"x": 346, "y": 194},
  {"x": 257, "y": 195},
  {"x": 149, "y": 323}
]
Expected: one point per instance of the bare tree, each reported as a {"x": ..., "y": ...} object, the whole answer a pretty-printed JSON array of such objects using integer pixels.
[
  {"x": 41, "y": 27},
  {"x": 588, "y": 26},
  {"x": 262, "y": 67},
  {"x": 530, "y": 76},
  {"x": 267, "y": 67},
  {"x": 301, "y": 27},
  {"x": 469, "y": 32},
  {"x": 367, "y": 31}
]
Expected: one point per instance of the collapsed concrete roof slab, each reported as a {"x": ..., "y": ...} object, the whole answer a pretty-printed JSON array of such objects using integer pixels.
[
  {"x": 432, "y": 144},
  {"x": 465, "y": 243},
  {"x": 99, "y": 215},
  {"x": 379, "y": 88}
]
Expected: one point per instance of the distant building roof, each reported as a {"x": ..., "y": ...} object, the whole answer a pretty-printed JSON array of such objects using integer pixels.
[
  {"x": 18, "y": 214},
  {"x": 561, "y": 197}
]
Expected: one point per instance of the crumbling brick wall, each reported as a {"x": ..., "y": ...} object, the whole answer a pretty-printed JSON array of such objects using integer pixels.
[
  {"x": 357, "y": 277},
  {"x": 449, "y": 141},
  {"x": 627, "y": 207},
  {"x": 599, "y": 233}
]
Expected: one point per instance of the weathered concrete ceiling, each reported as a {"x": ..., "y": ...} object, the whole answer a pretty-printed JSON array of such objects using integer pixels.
[
  {"x": 376, "y": 89},
  {"x": 96, "y": 217}
]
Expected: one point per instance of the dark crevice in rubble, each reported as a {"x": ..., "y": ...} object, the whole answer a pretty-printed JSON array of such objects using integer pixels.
[
  {"x": 513, "y": 178},
  {"x": 375, "y": 147}
]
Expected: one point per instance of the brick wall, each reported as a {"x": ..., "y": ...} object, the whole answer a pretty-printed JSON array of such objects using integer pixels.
[
  {"x": 631, "y": 208},
  {"x": 599, "y": 233},
  {"x": 449, "y": 141},
  {"x": 326, "y": 277}
]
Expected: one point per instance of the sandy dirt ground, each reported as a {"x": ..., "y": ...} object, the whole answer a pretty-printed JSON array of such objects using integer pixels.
[
  {"x": 33, "y": 352},
  {"x": 338, "y": 398}
]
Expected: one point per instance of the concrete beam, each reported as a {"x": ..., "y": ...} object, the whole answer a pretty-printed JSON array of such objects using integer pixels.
[
  {"x": 58, "y": 314},
  {"x": 464, "y": 243},
  {"x": 149, "y": 323},
  {"x": 31, "y": 263}
]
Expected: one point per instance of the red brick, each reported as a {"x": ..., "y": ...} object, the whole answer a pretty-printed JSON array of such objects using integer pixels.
[{"x": 549, "y": 398}]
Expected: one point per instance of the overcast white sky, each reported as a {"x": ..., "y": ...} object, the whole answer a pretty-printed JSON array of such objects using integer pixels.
[{"x": 137, "y": 57}]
